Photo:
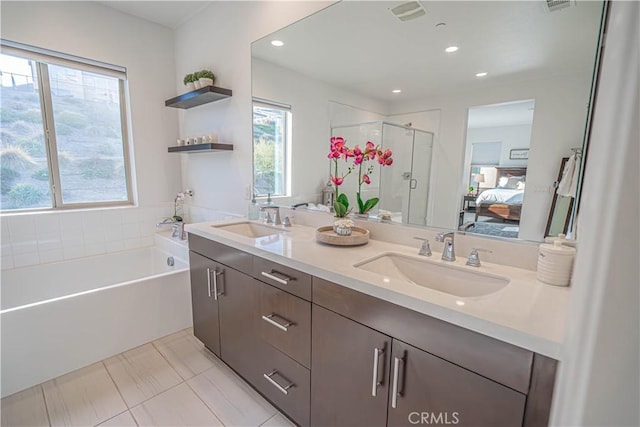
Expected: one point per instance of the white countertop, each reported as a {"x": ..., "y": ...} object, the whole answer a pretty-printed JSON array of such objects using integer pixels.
[{"x": 526, "y": 313}]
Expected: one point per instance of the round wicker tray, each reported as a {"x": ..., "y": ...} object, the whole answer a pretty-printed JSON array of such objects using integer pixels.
[{"x": 359, "y": 236}]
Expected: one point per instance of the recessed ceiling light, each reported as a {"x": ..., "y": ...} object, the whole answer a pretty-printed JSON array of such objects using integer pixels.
[
  {"x": 277, "y": 43},
  {"x": 396, "y": 91},
  {"x": 460, "y": 303},
  {"x": 483, "y": 74},
  {"x": 451, "y": 49}
]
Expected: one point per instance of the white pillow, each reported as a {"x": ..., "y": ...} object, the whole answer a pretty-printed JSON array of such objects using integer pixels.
[{"x": 520, "y": 185}]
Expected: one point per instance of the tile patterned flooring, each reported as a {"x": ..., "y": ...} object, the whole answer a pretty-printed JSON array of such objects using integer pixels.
[{"x": 173, "y": 381}]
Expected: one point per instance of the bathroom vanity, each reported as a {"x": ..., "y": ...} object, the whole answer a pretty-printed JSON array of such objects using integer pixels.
[{"x": 333, "y": 344}]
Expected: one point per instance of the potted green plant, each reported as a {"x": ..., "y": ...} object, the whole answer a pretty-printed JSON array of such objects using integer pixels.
[
  {"x": 188, "y": 82},
  {"x": 196, "y": 80},
  {"x": 206, "y": 78}
]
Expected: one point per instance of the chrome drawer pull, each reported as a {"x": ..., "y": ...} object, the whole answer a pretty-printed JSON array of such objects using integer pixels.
[
  {"x": 396, "y": 376},
  {"x": 283, "y": 281},
  {"x": 209, "y": 281},
  {"x": 275, "y": 384},
  {"x": 375, "y": 383},
  {"x": 269, "y": 319},
  {"x": 216, "y": 294}
]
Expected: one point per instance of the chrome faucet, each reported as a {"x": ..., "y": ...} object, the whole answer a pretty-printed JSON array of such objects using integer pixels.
[
  {"x": 474, "y": 258},
  {"x": 448, "y": 254},
  {"x": 268, "y": 219},
  {"x": 425, "y": 249},
  {"x": 177, "y": 226}
]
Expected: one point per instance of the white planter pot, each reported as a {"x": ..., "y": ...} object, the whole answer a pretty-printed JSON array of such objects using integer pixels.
[
  {"x": 204, "y": 82},
  {"x": 190, "y": 86},
  {"x": 197, "y": 84}
]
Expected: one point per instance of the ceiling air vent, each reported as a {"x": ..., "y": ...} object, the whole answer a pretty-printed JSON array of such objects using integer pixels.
[
  {"x": 556, "y": 5},
  {"x": 408, "y": 11}
]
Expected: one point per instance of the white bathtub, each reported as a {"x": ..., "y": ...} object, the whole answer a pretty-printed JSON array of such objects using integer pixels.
[{"x": 62, "y": 316}]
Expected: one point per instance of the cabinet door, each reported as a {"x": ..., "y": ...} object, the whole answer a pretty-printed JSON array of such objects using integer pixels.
[
  {"x": 203, "y": 302},
  {"x": 238, "y": 302},
  {"x": 428, "y": 390},
  {"x": 349, "y": 372}
]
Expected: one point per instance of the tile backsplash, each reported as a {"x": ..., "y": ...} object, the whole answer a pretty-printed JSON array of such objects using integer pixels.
[{"x": 41, "y": 237}]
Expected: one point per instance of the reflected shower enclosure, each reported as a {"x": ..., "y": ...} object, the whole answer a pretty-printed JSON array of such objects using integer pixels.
[{"x": 403, "y": 188}]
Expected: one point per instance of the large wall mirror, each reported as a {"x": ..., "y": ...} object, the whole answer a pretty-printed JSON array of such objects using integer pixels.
[{"x": 472, "y": 97}]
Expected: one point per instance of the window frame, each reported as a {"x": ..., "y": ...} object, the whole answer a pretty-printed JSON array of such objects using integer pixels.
[
  {"x": 288, "y": 126},
  {"x": 43, "y": 58}
]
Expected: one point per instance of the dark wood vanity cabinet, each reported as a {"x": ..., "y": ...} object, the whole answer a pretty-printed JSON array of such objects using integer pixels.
[
  {"x": 224, "y": 302},
  {"x": 350, "y": 372},
  {"x": 361, "y": 377},
  {"x": 327, "y": 355},
  {"x": 204, "y": 304},
  {"x": 428, "y": 390}
]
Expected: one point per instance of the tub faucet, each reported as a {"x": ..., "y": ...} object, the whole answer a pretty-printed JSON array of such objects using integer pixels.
[
  {"x": 275, "y": 219},
  {"x": 448, "y": 254},
  {"x": 177, "y": 226}
]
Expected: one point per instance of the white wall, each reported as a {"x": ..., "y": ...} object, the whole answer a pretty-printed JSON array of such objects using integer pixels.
[
  {"x": 94, "y": 31},
  {"x": 558, "y": 125},
  {"x": 598, "y": 381},
  {"x": 220, "y": 38}
]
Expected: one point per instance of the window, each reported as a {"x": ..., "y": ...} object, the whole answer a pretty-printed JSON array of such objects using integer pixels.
[
  {"x": 271, "y": 147},
  {"x": 64, "y": 139}
]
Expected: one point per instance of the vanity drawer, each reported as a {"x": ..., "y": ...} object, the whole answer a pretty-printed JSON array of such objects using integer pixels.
[
  {"x": 286, "y": 383},
  {"x": 286, "y": 323},
  {"x": 234, "y": 258},
  {"x": 286, "y": 278}
]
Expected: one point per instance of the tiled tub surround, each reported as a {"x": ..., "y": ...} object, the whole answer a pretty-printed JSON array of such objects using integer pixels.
[
  {"x": 173, "y": 380},
  {"x": 526, "y": 313},
  {"x": 60, "y": 316},
  {"x": 42, "y": 237}
]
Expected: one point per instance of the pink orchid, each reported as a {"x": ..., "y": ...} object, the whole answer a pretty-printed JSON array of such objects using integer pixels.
[
  {"x": 366, "y": 179},
  {"x": 356, "y": 151},
  {"x": 388, "y": 161},
  {"x": 337, "y": 180},
  {"x": 358, "y": 159}
]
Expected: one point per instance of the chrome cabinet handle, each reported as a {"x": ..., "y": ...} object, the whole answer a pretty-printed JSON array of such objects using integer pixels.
[
  {"x": 285, "y": 389},
  {"x": 377, "y": 352},
  {"x": 396, "y": 377},
  {"x": 284, "y": 281},
  {"x": 209, "y": 281},
  {"x": 269, "y": 319},
  {"x": 216, "y": 294}
]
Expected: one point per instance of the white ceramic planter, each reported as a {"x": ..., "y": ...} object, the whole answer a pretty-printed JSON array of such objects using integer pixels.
[
  {"x": 204, "y": 81},
  {"x": 197, "y": 84},
  {"x": 190, "y": 86}
]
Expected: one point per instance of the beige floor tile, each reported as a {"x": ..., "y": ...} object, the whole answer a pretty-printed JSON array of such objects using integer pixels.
[
  {"x": 125, "y": 419},
  {"x": 178, "y": 406},
  {"x": 25, "y": 408},
  {"x": 186, "y": 354},
  {"x": 83, "y": 397},
  {"x": 278, "y": 420},
  {"x": 141, "y": 373},
  {"x": 230, "y": 398}
]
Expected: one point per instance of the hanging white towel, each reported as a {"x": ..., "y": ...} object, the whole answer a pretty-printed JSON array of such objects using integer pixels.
[{"x": 569, "y": 182}]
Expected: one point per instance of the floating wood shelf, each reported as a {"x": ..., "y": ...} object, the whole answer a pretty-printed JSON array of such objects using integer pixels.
[
  {"x": 198, "y": 97},
  {"x": 198, "y": 148}
]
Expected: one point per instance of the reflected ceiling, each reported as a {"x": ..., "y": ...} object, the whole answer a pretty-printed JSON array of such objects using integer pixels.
[{"x": 511, "y": 41}]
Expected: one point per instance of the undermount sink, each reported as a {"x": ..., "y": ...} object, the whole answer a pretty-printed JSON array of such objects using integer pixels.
[
  {"x": 250, "y": 229},
  {"x": 449, "y": 279}
]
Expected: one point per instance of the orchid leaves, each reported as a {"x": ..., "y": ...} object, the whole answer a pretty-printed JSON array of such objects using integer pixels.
[
  {"x": 341, "y": 206},
  {"x": 364, "y": 207}
]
